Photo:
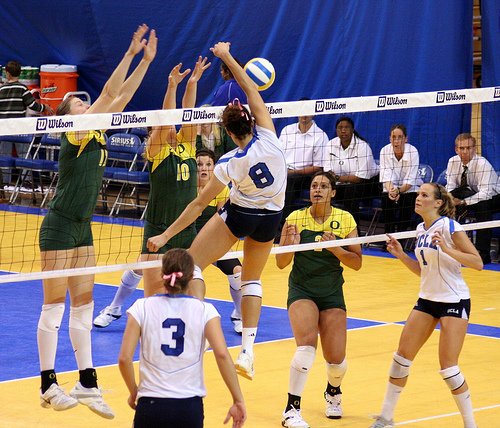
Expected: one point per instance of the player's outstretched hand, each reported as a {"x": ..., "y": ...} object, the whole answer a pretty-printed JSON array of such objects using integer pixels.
[
  {"x": 394, "y": 247},
  {"x": 176, "y": 75},
  {"x": 138, "y": 41},
  {"x": 220, "y": 49},
  {"x": 199, "y": 68},
  {"x": 238, "y": 413},
  {"x": 150, "y": 47}
]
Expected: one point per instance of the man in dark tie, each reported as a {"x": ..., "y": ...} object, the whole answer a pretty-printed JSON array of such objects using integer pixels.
[{"x": 474, "y": 185}]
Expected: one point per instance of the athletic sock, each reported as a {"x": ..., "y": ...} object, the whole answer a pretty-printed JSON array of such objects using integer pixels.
[
  {"x": 464, "y": 404},
  {"x": 88, "y": 378},
  {"x": 235, "y": 290},
  {"x": 248, "y": 339},
  {"x": 293, "y": 401},
  {"x": 391, "y": 398},
  {"x": 129, "y": 282},
  {"x": 333, "y": 390},
  {"x": 48, "y": 378}
]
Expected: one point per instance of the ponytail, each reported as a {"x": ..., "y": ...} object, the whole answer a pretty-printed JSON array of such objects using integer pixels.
[{"x": 447, "y": 209}]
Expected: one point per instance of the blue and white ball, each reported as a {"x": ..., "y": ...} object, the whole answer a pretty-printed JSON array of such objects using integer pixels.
[{"x": 261, "y": 71}]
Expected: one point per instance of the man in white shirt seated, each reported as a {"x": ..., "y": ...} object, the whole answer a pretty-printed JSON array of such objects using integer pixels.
[
  {"x": 474, "y": 185},
  {"x": 304, "y": 143}
]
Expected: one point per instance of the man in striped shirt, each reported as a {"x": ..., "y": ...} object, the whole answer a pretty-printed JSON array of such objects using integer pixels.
[{"x": 15, "y": 99}]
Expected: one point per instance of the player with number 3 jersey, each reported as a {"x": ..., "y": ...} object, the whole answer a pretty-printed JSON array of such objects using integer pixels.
[
  {"x": 257, "y": 172},
  {"x": 172, "y": 329}
]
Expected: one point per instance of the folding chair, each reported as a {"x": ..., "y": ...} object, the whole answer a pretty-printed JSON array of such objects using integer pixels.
[
  {"x": 425, "y": 173},
  {"x": 442, "y": 178},
  {"x": 34, "y": 163}
]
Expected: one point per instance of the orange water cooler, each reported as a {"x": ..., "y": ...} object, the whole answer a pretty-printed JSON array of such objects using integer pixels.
[{"x": 55, "y": 81}]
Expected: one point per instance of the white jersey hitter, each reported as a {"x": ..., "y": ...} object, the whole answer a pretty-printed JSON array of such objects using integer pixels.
[
  {"x": 257, "y": 172},
  {"x": 172, "y": 345},
  {"x": 440, "y": 278}
]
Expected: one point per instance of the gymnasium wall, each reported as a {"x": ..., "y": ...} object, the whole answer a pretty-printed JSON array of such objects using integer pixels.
[{"x": 320, "y": 49}]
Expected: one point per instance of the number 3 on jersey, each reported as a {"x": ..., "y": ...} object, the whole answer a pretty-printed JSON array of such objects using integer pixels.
[
  {"x": 176, "y": 328},
  {"x": 260, "y": 175}
]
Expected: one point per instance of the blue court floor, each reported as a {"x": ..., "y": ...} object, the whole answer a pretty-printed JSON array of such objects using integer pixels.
[{"x": 21, "y": 309}]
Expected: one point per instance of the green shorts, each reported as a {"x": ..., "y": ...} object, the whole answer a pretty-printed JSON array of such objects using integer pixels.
[
  {"x": 61, "y": 233},
  {"x": 333, "y": 300},
  {"x": 182, "y": 240}
]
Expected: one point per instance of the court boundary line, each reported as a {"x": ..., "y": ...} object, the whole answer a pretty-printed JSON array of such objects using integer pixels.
[{"x": 445, "y": 415}]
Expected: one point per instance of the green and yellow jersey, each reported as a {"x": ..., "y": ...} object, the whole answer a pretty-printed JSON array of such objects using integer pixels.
[
  {"x": 173, "y": 183},
  {"x": 81, "y": 167},
  {"x": 318, "y": 271}
]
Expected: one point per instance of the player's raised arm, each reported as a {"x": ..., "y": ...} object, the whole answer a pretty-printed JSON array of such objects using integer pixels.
[{"x": 255, "y": 101}]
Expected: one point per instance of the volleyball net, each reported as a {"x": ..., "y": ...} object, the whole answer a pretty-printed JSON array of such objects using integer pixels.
[{"x": 433, "y": 120}]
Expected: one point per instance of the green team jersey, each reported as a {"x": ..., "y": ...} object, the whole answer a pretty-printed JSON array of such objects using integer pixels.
[
  {"x": 318, "y": 271},
  {"x": 211, "y": 209},
  {"x": 173, "y": 183},
  {"x": 81, "y": 166}
]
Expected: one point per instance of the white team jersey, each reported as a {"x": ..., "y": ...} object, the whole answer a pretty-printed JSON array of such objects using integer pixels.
[
  {"x": 172, "y": 345},
  {"x": 440, "y": 278},
  {"x": 257, "y": 173}
]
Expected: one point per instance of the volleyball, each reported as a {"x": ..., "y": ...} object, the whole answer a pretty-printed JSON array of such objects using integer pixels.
[{"x": 261, "y": 71}]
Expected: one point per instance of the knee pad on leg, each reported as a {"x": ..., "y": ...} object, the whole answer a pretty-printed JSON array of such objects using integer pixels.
[
  {"x": 197, "y": 273},
  {"x": 453, "y": 377},
  {"x": 51, "y": 317},
  {"x": 303, "y": 358},
  {"x": 251, "y": 288},
  {"x": 80, "y": 317},
  {"x": 400, "y": 367},
  {"x": 335, "y": 372}
]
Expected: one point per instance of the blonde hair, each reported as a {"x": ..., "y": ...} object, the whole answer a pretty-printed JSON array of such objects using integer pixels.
[
  {"x": 447, "y": 209},
  {"x": 465, "y": 137}
]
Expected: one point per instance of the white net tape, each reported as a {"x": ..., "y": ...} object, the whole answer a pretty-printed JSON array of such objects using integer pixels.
[
  {"x": 277, "y": 110},
  {"x": 18, "y": 277}
]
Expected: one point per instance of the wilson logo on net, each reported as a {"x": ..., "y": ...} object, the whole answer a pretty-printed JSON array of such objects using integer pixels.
[
  {"x": 496, "y": 93},
  {"x": 322, "y": 106},
  {"x": 273, "y": 110},
  {"x": 127, "y": 119},
  {"x": 188, "y": 115},
  {"x": 385, "y": 101},
  {"x": 47, "y": 124},
  {"x": 443, "y": 97}
]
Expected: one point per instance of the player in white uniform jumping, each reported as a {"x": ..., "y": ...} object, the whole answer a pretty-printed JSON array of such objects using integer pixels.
[
  {"x": 442, "y": 247},
  {"x": 257, "y": 171},
  {"x": 172, "y": 329}
]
